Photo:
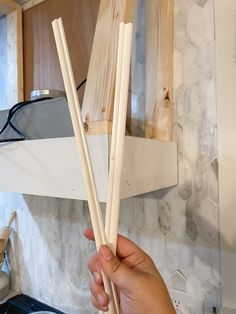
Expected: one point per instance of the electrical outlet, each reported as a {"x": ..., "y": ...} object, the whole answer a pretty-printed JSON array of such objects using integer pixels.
[{"x": 185, "y": 303}]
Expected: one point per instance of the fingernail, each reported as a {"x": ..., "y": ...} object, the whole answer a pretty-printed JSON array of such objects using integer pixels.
[
  {"x": 96, "y": 277},
  {"x": 106, "y": 252},
  {"x": 101, "y": 299},
  {"x": 104, "y": 308}
]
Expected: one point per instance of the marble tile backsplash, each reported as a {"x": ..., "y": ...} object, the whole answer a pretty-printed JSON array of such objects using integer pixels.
[{"x": 178, "y": 227}]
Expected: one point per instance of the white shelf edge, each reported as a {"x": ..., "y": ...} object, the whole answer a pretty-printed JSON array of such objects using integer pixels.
[{"x": 50, "y": 167}]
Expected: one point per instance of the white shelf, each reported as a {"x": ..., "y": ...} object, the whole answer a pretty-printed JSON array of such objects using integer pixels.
[{"x": 51, "y": 167}]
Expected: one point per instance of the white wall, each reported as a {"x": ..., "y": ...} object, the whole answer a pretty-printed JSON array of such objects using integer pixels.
[{"x": 226, "y": 99}]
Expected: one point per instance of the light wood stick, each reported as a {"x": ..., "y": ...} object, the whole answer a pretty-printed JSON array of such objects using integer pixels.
[
  {"x": 118, "y": 132},
  {"x": 113, "y": 140},
  {"x": 118, "y": 135},
  {"x": 114, "y": 130},
  {"x": 81, "y": 143},
  {"x": 114, "y": 205}
]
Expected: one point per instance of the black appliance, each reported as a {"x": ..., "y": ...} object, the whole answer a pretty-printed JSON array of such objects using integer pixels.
[{"x": 21, "y": 304}]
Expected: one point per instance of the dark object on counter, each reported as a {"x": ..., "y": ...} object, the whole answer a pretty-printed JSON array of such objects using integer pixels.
[
  {"x": 40, "y": 119},
  {"x": 22, "y": 304}
]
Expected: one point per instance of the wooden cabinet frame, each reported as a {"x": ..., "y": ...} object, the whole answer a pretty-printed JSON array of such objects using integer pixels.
[
  {"x": 14, "y": 67},
  {"x": 99, "y": 93}
]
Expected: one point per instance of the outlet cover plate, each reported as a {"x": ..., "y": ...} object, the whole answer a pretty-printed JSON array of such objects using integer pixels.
[{"x": 185, "y": 303}]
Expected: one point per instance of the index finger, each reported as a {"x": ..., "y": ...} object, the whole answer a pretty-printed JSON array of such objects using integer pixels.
[{"x": 125, "y": 247}]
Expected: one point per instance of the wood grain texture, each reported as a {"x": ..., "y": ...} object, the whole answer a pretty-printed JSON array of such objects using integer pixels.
[
  {"x": 41, "y": 62},
  {"x": 159, "y": 69},
  {"x": 15, "y": 57},
  {"x": 7, "y": 6},
  {"x": 3, "y": 61},
  {"x": 98, "y": 127},
  {"x": 11, "y": 64},
  {"x": 99, "y": 93}
]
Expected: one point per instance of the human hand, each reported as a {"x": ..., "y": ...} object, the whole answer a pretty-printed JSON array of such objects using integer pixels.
[{"x": 141, "y": 288}]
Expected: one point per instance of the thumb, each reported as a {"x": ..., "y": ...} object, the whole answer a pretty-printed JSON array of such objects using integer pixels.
[{"x": 121, "y": 275}]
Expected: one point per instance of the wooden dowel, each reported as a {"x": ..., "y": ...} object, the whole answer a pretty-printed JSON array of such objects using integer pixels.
[
  {"x": 113, "y": 141},
  {"x": 82, "y": 147},
  {"x": 114, "y": 130},
  {"x": 118, "y": 135},
  {"x": 123, "y": 99},
  {"x": 78, "y": 130}
]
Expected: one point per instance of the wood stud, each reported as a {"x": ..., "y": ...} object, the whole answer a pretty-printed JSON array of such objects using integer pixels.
[
  {"x": 100, "y": 86},
  {"x": 14, "y": 51},
  {"x": 159, "y": 69},
  {"x": 98, "y": 105}
]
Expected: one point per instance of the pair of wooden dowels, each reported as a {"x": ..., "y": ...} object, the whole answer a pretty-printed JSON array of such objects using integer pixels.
[
  {"x": 118, "y": 136},
  {"x": 119, "y": 118},
  {"x": 118, "y": 132}
]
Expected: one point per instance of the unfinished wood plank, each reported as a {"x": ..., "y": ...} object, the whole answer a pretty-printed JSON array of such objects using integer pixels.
[
  {"x": 99, "y": 93},
  {"x": 7, "y": 6},
  {"x": 98, "y": 127},
  {"x": 129, "y": 11},
  {"x": 15, "y": 57},
  {"x": 12, "y": 46},
  {"x": 3, "y": 60},
  {"x": 159, "y": 69}
]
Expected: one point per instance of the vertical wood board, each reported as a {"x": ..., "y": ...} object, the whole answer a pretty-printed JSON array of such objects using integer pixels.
[
  {"x": 159, "y": 69},
  {"x": 8, "y": 6},
  {"x": 99, "y": 93},
  {"x": 11, "y": 66},
  {"x": 3, "y": 61}
]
